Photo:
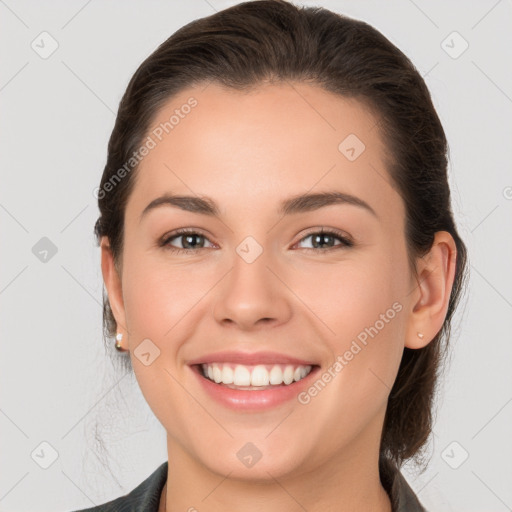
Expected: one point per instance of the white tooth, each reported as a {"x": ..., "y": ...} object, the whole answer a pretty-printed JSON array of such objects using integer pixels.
[
  {"x": 288, "y": 375},
  {"x": 227, "y": 374},
  {"x": 259, "y": 376},
  {"x": 305, "y": 370},
  {"x": 242, "y": 376},
  {"x": 276, "y": 376},
  {"x": 217, "y": 373}
]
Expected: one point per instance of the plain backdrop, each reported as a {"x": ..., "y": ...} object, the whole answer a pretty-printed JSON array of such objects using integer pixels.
[{"x": 60, "y": 396}]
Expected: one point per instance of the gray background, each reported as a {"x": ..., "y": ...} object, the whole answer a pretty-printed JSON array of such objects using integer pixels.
[{"x": 57, "y": 383}]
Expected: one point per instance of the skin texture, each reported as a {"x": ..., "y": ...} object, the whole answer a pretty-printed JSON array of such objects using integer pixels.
[{"x": 248, "y": 152}]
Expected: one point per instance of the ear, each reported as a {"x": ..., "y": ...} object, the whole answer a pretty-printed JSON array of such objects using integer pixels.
[
  {"x": 431, "y": 296},
  {"x": 112, "y": 282}
]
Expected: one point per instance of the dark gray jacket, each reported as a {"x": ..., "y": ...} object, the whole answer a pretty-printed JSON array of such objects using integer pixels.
[{"x": 146, "y": 497}]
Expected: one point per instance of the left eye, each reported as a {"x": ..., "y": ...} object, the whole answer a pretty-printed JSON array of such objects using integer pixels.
[
  {"x": 318, "y": 238},
  {"x": 326, "y": 237}
]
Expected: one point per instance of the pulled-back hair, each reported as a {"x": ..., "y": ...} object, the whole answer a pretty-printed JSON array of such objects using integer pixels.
[{"x": 267, "y": 41}]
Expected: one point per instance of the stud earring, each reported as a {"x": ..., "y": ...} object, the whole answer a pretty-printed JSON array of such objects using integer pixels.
[
  {"x": 420, "y": 335},
  {"x": 119, "y": 337}
]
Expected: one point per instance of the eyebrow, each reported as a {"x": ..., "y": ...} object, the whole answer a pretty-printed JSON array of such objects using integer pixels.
[{"x": 293, "y": 205}]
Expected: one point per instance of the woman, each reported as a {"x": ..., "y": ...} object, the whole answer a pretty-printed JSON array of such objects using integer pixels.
[{"x": 281, "y": 261}]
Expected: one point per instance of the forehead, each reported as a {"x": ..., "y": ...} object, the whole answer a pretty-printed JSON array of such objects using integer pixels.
[{"x": 252, "y": 149}]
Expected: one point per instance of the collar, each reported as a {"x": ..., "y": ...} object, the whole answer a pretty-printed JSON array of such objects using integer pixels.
[{"x": 403, "y": 498}]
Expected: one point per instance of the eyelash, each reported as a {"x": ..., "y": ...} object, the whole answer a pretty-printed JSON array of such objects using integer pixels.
[{"x": 345, "y": 242}]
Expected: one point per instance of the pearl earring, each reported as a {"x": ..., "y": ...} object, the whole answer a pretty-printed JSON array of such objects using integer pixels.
[
  {"x": 420, "y": 335},
  {"x": 119, "y": 337}
]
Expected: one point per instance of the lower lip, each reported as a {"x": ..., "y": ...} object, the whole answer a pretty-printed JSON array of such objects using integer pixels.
[{"x": 257, "y": 399}]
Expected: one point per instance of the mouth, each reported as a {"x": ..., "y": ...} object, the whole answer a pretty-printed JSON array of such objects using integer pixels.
[
  {"x": 254, "y": 377},
  {"x": 256, "y": 387}
]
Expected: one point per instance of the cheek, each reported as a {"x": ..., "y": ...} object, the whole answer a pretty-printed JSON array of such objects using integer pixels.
[
  {"x": 361, "y": 308},
  {"x": 157, "y": 299},
  {"x": 365, "y": 318},
  {"x": 371, "y": 327},
  {"x": 143, "y": 300},
  {"x": 159, "y": 296},
  {"x": 347, "y": 297}
]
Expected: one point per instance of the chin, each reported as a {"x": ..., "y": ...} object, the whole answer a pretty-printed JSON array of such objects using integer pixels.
[{"x": 249, "y": 463}]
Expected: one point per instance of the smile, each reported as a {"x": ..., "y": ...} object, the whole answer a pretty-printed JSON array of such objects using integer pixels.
[
  {"x": 256, "y": 377},
  {"x": 244, "y": 389}
]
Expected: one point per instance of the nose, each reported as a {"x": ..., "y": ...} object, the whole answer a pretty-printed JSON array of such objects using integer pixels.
[{"x": 253, "y": 294}]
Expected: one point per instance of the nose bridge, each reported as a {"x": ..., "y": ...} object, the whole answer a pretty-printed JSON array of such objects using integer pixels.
[
  {"x": 251, "y": 278},
  {"x": 252, "y": 291},
  {"x": 250, "y": 264}
]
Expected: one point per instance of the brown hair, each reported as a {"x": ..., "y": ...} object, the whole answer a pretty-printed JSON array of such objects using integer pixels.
[{"x": 274, "y": 40}]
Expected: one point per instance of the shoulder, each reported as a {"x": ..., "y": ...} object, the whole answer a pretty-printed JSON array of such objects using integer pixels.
[{"x": 145, "y": 497}]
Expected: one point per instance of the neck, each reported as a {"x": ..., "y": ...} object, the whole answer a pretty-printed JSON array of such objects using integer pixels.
[{"x": 162, "y": 506}]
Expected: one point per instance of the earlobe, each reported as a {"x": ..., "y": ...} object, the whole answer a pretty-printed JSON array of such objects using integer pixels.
[
  {"x": 113, "y": 285},
  {"x": 436, "y": 273}
]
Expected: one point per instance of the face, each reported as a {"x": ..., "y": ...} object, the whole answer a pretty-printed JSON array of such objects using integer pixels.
[{"x": 254, "y": 282}]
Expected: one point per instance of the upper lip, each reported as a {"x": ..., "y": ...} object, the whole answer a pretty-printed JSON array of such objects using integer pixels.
[{"x": 249, "y": 358}]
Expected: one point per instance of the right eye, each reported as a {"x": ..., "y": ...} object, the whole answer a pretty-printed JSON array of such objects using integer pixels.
[{"x": 189, "y": 240}]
